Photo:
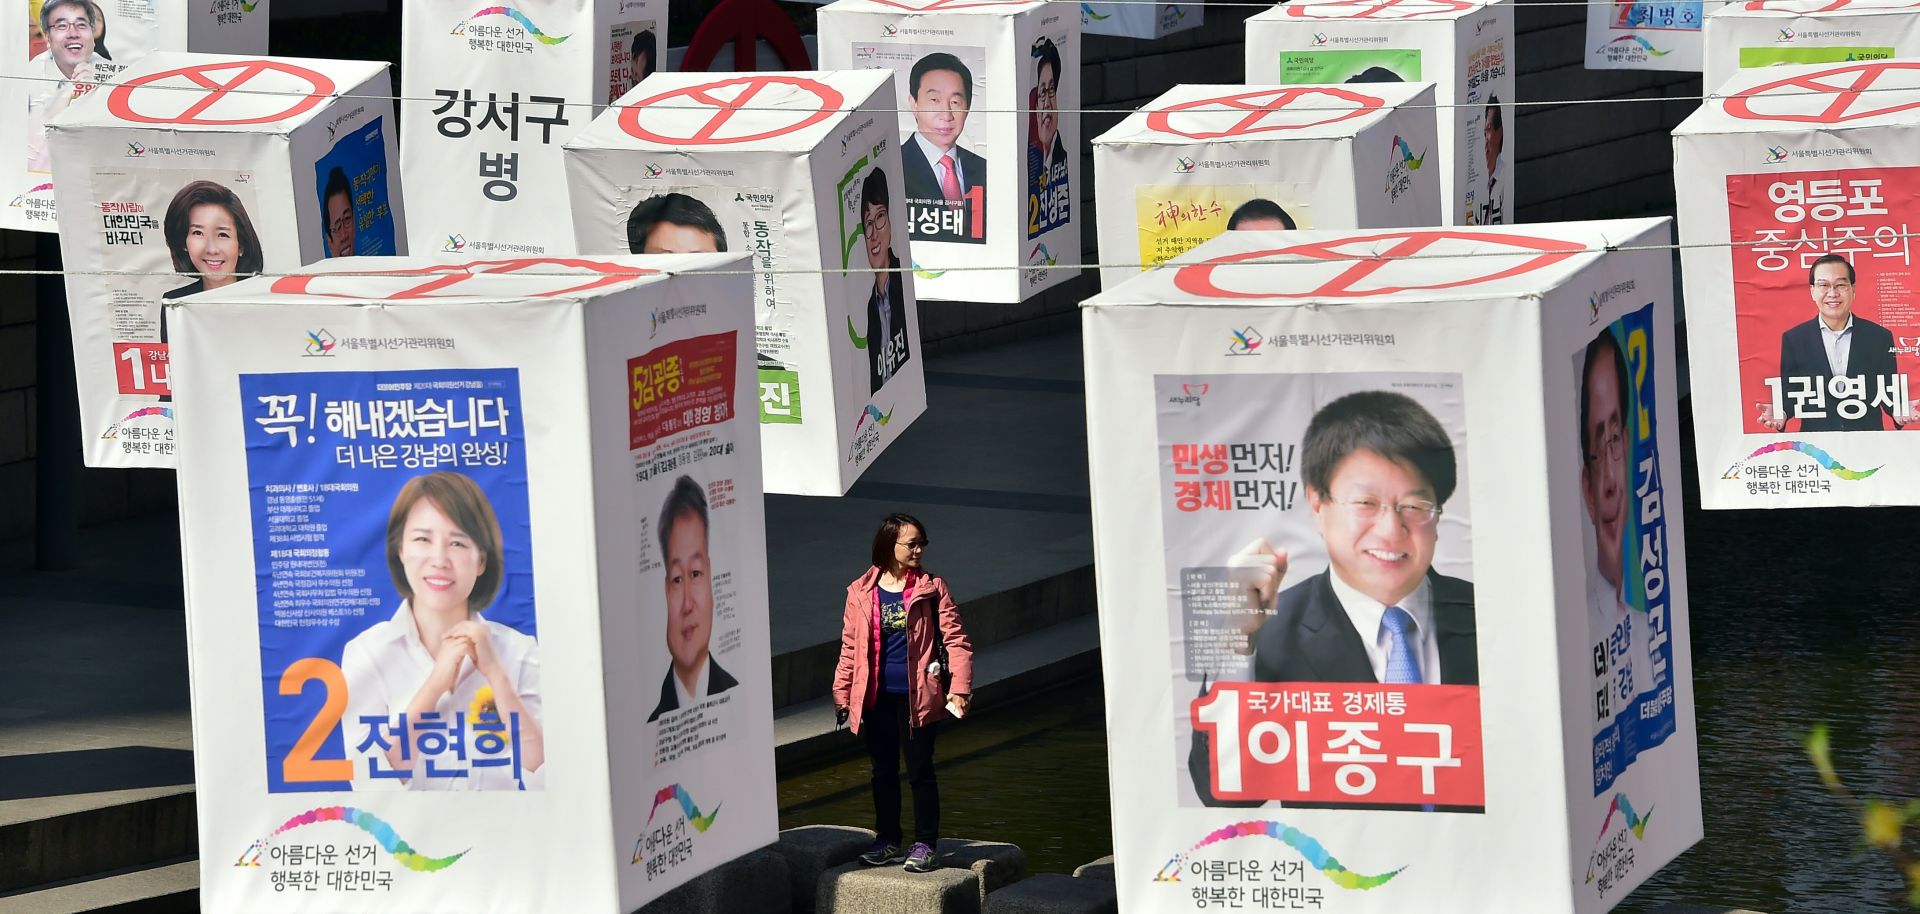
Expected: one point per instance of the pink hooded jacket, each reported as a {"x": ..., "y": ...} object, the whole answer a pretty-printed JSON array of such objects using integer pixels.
[{"x": 860, "y": 644}]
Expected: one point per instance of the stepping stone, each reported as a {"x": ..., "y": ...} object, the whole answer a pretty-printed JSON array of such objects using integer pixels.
[
  {"x": 811, "y": 850},
  {"x": 1098, "y": 869},
  {"x": 756, "y": 882},
  {"x": 997, "y": 863},
  {"x": 1052, "y": 893},
  {"x": 856, "y": 888}
]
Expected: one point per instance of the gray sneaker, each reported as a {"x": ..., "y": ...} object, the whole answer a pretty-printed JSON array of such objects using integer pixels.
[
  {"x": 920, "y": 859},
  {"x": 881, "y": 853}
]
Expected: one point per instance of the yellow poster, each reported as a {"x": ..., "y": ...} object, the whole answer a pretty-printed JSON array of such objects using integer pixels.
[{"x": 1175, "y": 218}]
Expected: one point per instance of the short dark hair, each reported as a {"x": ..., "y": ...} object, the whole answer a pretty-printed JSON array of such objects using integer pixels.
[
  {"x": 180, "y": 211},
  {"x": 1259, "y": 208},
  {"x": 1048, "y": 56},
  {"x": 676, "y": 209},
  {"x": 1375, "y": 75},
  {"x": 1830, "y": 258},
  {"x": 889, "y": 533},
  {"x": 645, "y": 43},
  {"x": 1494, "y": 120},
  {"x": 686, "y": 500},
  {"x": 1390, "y": 424},
  {"x": 873, "y": 191},
  {"x": 337, "y": 183},
  {"x": 940, "y": 60},
  {"x": 466, "y": 505},
  {"x": 1603, "y": 346}
]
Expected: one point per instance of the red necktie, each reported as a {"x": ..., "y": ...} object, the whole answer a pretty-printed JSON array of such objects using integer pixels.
[{"x": 949, "y": 182}]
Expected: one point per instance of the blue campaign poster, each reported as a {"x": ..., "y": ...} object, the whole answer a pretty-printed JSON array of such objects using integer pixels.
[
  {"x": 395, "y": 578},
  {"x": 351, "y": 178}
]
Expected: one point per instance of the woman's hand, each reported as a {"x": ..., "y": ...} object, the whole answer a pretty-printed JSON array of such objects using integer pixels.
[
  {"x": 480, "y": 646},
  {"x": 446, "y": 664},
  {"x": 958, "y": 701}
]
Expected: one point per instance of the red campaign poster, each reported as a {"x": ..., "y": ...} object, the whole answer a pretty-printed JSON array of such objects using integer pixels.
[
  {"x": 1780, "y": 224},
  {"x": 683, "y": 385}
]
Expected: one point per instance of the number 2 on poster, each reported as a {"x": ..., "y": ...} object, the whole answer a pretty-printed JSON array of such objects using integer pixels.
[{"x": 300, "y": 766}]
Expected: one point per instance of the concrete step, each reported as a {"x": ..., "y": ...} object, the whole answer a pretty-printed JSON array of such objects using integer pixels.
[
  {"x": 172, "y": 888},
  {"x": 1005, "y": 672},
  {"x": 807, "y": 673},
  {"x": 52, "y": 839}
]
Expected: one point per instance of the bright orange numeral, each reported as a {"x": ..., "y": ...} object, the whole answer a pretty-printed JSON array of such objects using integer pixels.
[{"x": 300, "y": 766}]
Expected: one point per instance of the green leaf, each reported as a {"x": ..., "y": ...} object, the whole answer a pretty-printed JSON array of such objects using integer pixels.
[{"x": 1819, "y": 749}]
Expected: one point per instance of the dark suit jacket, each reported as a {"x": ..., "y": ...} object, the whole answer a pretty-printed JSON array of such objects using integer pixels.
[
  {"x": 923, "y": 184},
  {"x": 717, "y": 681},
  {"x": 1309, "y": 638},
  {"x": 1803, "y": 354},
  {"x": 897, "y": 319}
]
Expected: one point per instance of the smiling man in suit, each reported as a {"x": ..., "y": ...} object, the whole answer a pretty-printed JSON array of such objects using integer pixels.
[
  {"x": 1837, "y": 343},
  {"x": 1378, "y": 468},
  {"x": 939, "y": 173},
  {"x": 695, "y": 674}
]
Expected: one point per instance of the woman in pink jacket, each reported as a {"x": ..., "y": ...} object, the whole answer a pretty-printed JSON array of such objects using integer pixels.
[{"x": 891, "y": 685}]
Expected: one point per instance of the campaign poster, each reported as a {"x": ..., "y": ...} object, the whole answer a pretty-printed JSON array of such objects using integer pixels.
[
  {"x": 398, "y": 640},
  {"x": 1372, "y": 65},
  {"x": 1818, "y": 254},
  {"x": 945, "y": 153},
  {"x": 1319, "y": 582},
  {"x": 1173, "y": 219},
  {"x": 1624, "y": 538},
  {"x": 1775, "y": 56},
  {"x": 356, "y": 216},
  {"x": 694, "y": 509},
  {"x": 72, "y": 47},
  {"x": 1049, "y": 195},
  {"x": 884, "y": 337},
  {"x": 1645, "y": 35},
  {"x": 177, "y": 231},
  {"x": 1484, "y": 148},
  {"x": 635, "y": 55}
]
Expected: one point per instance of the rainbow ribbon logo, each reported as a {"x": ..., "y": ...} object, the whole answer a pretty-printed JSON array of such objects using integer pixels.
[
  {"x": 1642, "y": 42},
  {"x": 1819, "y": 456},
  {"x": 859, "y": 342},
  {"x": 246, "y": 7},
  {"x": 688, "y": 808},
  {"x": 927, "y": 274},
  {"x": 1086, "y": 9},
  {"x": 1407, "y": 157},
  {"x": 874, "y": 413},
  {"x": 1635, "y": 823},
  {"x": 402, "y": 852},
  {"x": 1041, "y": 256},
  {"x": 1308, "y": 847},
  {"x": 113, "y": 431},
  {"x": 516, "y": 16}
]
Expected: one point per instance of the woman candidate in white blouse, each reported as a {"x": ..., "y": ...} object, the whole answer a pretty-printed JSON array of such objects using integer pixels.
[{"x": 437, "y": 652}]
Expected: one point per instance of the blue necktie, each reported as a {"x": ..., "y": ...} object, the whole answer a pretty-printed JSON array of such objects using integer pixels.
[{"x": 1403, "y": 660}]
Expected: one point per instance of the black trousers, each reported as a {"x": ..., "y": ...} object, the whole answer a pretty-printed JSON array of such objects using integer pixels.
[{"x": 885, "y": 728}]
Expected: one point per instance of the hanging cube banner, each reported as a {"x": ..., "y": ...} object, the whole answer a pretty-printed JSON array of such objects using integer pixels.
[
  {"x": 68, "y": 48},
  {"x": 494, "y": 93},
  {"x": 1419, "y": 596},
  {"x": 1202, "y": 160},
  {"x": 478, "y": 602},
  {"x": 198, "y": 170},
  {"x": 1139, "y": 20},
  {"x": 1809, "y": 172},
  {"x": 990, "y": 129},
  {"x": 1768, "y": 33},
  {"x": 1464, "y": 49},
  {"x": 1645, "y": 35},
  {"x": 801, "y": 171}
]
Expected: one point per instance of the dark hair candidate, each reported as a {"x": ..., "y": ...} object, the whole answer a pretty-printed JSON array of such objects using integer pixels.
[
  {"x": 646, "y": 43},
  {"x": 1047, "y": 55},
  {"x": 94, "y": 18},
  {"x": 1386, "y": 423},
  {"x": 873, "y": 191},
  {"x": 337, "y": 184},
  {"x": 1494, "y": 121},
  {"x": 1375, "y": 75},
  {"x": 674, "y": 209},
  {"x": 1813, "y": 270},
  {"x": 1259, "y": 208},
  {"x": 686, "y": 500},
  {"x": 180, "y": 211},
  {"x": 940, "y": 60},
  {"x": 462, "y": 501},
  {"x": 1603, "y": 346},
  {"x": 888, "y": 535}
]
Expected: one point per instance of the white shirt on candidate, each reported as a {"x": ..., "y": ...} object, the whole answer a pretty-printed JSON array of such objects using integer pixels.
[
  {"x": 933, "y": 154},
  {"x": 1839, "y": 345},
  {"x": 700, "y": 683},
  {"x": 384, "y": 667},
  {"x": 1365, "y": 613}
]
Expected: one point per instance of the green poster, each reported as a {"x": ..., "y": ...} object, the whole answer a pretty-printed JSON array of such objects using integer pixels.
[
  {"x": 779, "y": 397},
  {"x": 1375, "y": 65},
  {"x": 1771, "y": 56}
]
